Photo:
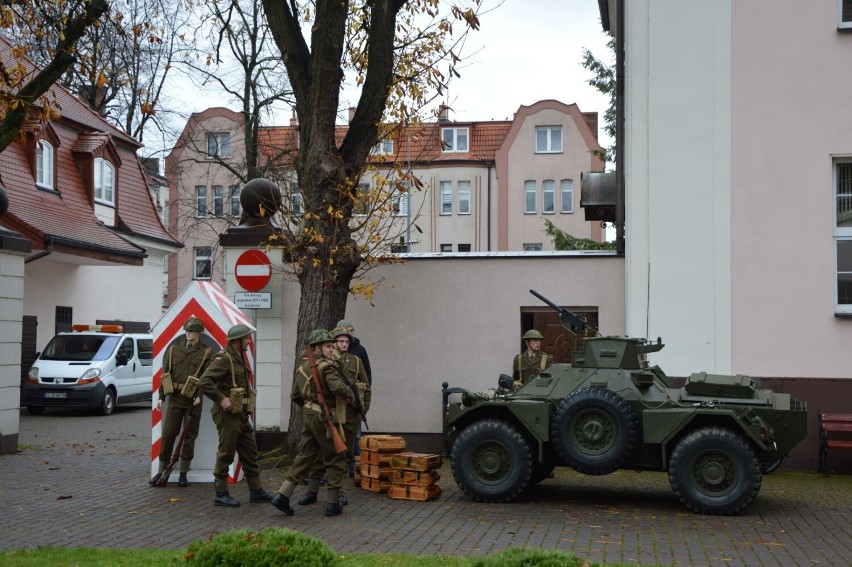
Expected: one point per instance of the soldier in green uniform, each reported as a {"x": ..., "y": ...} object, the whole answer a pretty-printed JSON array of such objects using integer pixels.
[
  {"x": 226, "y": 382},
  {"x": 184, "y": 363},
  {"x": 353, "y": 373},
  {"x": 316, "y": 444},
  {"x": 532, "y": 361}
]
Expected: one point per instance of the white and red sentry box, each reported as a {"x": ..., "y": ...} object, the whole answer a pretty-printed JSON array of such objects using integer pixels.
[{"x": 209, "y": 303}]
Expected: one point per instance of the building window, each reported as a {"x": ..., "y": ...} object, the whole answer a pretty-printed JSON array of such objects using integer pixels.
[
  {"x": 446, "y": 198},
  {"x": 166, "y": 212},
  {"x": 200, "y": 202},
  {"x": 464, "y": 247},
  {"x": 566, "y": 191},
  {"x": 464, "y": 197},
  {"x": 446, "y": 247},
  {"x": 218, "y": 145},
  {"x": 63, "y": 317},
  {"x": 843, "y": 233},
  {"x": 383, "y": 148},
  {"x": 165, "y": 264},
  {"x": 845, "y": 14},
  {"x": 104, "y": 182},
  {"x": 548, "y": 197},
  {"x": 548, "y": 139},
  {"x": 532, "y": 247},
  {"x": 218, "y": 200},
  {"x": 529, "y": 197},
  {"x": 297, "y": 202},
  {"x": 399, "y": 202},
  {"x": 454, "y": 139},
  {"x": 203, "y": 266},
  {"x": 235, "y": 201},
  {"x": 44, "y": 164},
  {"x": 362, "y": 199}
]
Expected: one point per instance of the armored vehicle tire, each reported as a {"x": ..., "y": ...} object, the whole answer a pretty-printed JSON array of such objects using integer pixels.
[
  {"x": 35, "y": 410},
  {"x": 769, "y": 468},
  {"x": 108, "y": 403},
  {"x": 491, "y": 461},
  {"x": 594, "y": 430},
  {"x": 714, "y": 471}
]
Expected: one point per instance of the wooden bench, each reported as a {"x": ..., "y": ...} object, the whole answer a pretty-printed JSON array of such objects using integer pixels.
[{"x": 835, "y": 432}]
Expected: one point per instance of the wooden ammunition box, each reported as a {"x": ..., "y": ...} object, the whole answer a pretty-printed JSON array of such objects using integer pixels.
[
  {"x": 382, "y": 443},
  {"x": 414, "y": 478},
  {"x": 421, "y": 493},
  {"x": 375, "y": 485},
  {"x": 376, "y": 458},
  {"x": 416, "y": 461},
  {"x": 376, "y": 471}
]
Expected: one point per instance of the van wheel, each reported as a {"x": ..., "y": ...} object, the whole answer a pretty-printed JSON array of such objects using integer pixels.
[
  {"x": 108, "y": 403},
  {"x": 35, "y": 410}
]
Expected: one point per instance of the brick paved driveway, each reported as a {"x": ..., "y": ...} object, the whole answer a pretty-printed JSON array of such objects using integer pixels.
[{"x": 82, "y": 480}]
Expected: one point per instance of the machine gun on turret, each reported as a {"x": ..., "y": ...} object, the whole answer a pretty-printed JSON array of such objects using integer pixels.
[{"x": 572, "y": 322}]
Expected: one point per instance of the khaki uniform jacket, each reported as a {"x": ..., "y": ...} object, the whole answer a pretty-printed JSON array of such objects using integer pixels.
[
  {"x": 304, "y": 392},
  {"x": 216, "y": 382},
  {"x": 528, "y": 364},
  {"x": 354, "y": 371},
  {"x": 183, "y": 361}
]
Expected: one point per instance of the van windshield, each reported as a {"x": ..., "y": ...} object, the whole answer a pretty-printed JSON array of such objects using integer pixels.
[{"x": 82, "y": 348}]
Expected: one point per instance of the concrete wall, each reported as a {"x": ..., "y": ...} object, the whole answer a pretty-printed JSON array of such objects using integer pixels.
[{"x": 11, "y": 313}]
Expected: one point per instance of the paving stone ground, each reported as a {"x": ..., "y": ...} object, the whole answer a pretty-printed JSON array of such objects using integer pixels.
[{"x": 81, "y": 480}]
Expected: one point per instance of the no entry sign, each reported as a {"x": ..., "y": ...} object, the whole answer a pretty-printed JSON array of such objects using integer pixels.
[{"x": 253, "y": 270}]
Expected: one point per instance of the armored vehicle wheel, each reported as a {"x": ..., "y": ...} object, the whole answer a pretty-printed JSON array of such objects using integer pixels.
[
  {"x": 714, "y": 471},
  {"x": 35, "y": 410},
  {"x": 769, "y": 468},
  {"x": 108, "y": 403},
  {"x": 594, "y": 430},
  {"x": 491, "y": 461}
]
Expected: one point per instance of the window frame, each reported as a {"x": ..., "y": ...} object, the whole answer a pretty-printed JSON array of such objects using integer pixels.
[
  {"x": 841, "y": 23},
  {"x": 200, "y": 211},
  {"x": 446, "y": 197},
  {"x": 840, "y": 233},
  {"x": 459, "y": 200},
  {"x": 46, "y": 163},
  {"x": 532, "y": 246},
  {"x": 562, "y": 192},
  {"x": 218, "y": 201},
  {"x": 446, "y": 248},
  {"x": 551, "y": 190},
  {"x": 99, "y": 166},
  {"x": 234, "y": 208},
  {"x": 452, "y": 147},
  {"x": 530, "y": 188},
  {"x": 222, "y": 141},
  {"x": 548, "y": 149},
  {"x": 198, "y": 255},
  {"x": 399, "y": 203},
  {"x": 383, "y": 147}
]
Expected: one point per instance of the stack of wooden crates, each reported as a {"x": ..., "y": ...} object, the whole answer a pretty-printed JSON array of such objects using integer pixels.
[{"x": 384, "y": 466}]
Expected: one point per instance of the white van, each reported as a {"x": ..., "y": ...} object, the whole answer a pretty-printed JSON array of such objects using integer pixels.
[{"x": 94, "y": 366}]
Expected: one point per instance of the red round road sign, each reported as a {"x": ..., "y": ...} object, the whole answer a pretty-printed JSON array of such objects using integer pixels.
[{"x": 253, "y": 270}]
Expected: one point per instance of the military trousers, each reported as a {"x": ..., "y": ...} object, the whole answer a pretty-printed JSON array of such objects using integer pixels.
[
  {"x": 350, "y": 431},
  {"x": 174, "y": 413},
  {"x": 236, "y": 435},
  {"x": 316, "y": 449}
]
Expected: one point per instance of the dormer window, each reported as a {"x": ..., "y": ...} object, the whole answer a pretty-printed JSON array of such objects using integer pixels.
[
  {"x": 104, "y": 182},
  {"x": 383, "y": 148},
  {"x": 44, "y": 158},
  {"x": 218, "y": 145},
  {"x": 454, "y": 140}
]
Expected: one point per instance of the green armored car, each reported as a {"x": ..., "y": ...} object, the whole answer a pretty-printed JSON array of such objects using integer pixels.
[{"x": 716, "y": 436}]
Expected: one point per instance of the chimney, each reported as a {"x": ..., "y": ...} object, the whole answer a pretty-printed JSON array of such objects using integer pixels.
[
  {"x": 351, "y": 113},
  {"x": 591, "y": 119},
  {"x": 294, "y": 122},
  {"x": 443, "y": 113},
  {"x": 151, "y": 165}
]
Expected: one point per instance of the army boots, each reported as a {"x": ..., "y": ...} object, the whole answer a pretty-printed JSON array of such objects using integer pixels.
[
  {"x": 182, "y": 480},
  {"x": 333, "y": 509},
  {"x": 282, "y": 503},
  {"x": 308, "y": 497},
  {"x": 259, "y": 496},
  {"x": 225, "y": 499},
  {"x": 155, "y": 479}
]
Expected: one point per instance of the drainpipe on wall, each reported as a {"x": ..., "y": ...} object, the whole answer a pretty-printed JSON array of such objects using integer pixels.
[
  {"x": 48, "y": 249},
  {"x": 619, "y": 128},
  {"x": 488, "y": 229}
]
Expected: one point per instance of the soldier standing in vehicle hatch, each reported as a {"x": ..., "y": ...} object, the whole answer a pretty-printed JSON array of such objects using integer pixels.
[
  {"x": 226, "y": 382},
  {"x": 184, "y": 363},
  {"x": 532, "y": 361}
]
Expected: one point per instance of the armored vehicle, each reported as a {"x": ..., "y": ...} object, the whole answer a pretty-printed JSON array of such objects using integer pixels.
[{"x": 610, "y": 409}]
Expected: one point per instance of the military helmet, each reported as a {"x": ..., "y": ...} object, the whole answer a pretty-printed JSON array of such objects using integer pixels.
[
  {"x": 238, "y": 332},
  {"x": 340, "y": 332},
  {"x": 532, "y": 334},
  {"x": 194, "y": 324},
  {"x": 319, "y": 336},
  {"x": 345, "y": 323}
]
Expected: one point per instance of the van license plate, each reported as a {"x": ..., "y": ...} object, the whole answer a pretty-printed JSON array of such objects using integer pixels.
[{"x": 61, "y": 395}]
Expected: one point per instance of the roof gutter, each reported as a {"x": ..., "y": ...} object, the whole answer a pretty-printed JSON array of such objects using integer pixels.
[{"x": 48, "y": 250}]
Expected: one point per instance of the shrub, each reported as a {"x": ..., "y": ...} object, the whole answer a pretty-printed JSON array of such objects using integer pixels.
[
  {"x": 272, "y": 546},
  {"x": 514, "y": 557}
]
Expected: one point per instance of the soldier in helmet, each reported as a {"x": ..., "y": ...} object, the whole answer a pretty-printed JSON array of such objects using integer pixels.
[
  {"x": 315, "y": 445},
  {"x": 532, "y": 361},
  {"x": 226, "y": 382},
  {"x": 183, "y": 363}
]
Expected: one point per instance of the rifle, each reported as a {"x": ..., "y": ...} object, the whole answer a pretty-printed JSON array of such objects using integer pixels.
[
  {"x": 568, "y": 317},
  {"x": 358, "y": 405},
  {"x": 164, "y": 478},
  {"x": 339, "y": 444}
]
